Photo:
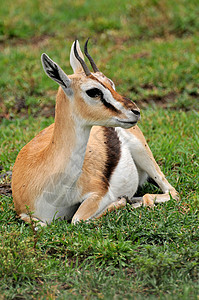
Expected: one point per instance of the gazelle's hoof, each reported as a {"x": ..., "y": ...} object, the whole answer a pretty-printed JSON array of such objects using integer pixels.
[
  {"x": 148, "y": 200},
  {"x": 175, "y": 195}
]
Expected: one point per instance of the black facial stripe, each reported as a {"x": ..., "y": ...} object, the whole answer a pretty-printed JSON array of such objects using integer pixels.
[{"x": 108, "y": 105}]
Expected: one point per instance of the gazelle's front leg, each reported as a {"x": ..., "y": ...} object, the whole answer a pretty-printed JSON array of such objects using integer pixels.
[
  {"x": 95, "y": 207},
  {"x": 145, "y": 162}
]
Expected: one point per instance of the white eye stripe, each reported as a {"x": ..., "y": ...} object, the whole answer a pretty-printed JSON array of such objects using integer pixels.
[{"x": 110, "y": 99}]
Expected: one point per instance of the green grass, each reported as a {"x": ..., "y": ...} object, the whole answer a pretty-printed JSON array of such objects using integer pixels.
[{"x": 150, "y": 49}]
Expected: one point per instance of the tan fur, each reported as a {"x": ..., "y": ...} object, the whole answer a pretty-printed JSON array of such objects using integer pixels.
[
  {"x": 87, "y": 208},
  {"x": 95, "y": 158}
]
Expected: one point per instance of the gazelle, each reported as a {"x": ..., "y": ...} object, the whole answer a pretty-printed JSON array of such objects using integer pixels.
[{"x": 94, "y": 154}]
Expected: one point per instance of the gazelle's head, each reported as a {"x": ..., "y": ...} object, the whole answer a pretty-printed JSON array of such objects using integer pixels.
[{"x": 92, "y": 95}]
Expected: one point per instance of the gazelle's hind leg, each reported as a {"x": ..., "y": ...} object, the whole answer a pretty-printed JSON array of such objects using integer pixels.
[
  {"x": 145, "y": 162},
  {"x": 114, "y": 206},
  {"x": 93, "y": 207}
]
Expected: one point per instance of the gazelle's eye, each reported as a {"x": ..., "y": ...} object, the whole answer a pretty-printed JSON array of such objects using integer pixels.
[{"x": 94, "y": 93}]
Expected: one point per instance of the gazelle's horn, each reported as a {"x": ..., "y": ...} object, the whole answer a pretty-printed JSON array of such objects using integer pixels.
[
  {"x": 82, "y": 62},
  {"x": 95, "y": 68}
]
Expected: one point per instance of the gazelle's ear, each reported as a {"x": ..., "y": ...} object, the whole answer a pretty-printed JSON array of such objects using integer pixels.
[
  {"x": 55, "y": 72},
  {"x": 74, "y": 62}
]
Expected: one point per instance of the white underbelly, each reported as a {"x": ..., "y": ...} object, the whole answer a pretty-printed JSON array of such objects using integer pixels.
[{"x": 125, "y": 179}]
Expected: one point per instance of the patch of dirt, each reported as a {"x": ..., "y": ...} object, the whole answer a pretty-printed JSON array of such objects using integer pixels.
[
  {"x": 35, "y": 41},
  {"x": 20, "y": 104},
  {"x": 141, "y": 55},
  {"x": 159, "y": 100},
  {"x": 21, "y": 109},
  {"x": 120, "y": 40},
  {"x": 48, "y": 111},
  {"x": 194, "y": 94},
  {"x": 145, "y": 86},
  {"x": 5, "y": 182},
  {"x": 148, "y": 86},
  {"x": 5, "y": 189}
]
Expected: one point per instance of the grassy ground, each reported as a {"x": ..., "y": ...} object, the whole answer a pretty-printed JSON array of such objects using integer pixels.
[{"x": 151, "y": 51}]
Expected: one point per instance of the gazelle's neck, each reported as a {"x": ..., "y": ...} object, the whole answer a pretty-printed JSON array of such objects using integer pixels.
[
  {"x": 70, "y": 137},
  {"x": 66, "y": 152}
]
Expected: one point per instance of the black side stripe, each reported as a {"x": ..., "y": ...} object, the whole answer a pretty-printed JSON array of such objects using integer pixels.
[{"x": 113, "y": 152}]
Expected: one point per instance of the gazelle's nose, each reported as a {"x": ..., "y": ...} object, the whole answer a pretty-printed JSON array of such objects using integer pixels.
[{"x": 136, "y": 112}]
